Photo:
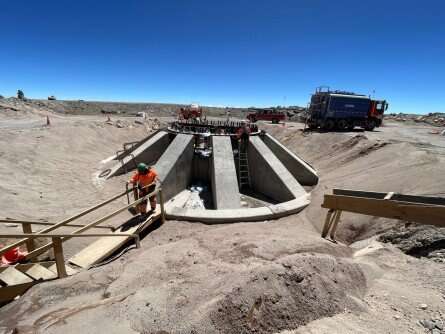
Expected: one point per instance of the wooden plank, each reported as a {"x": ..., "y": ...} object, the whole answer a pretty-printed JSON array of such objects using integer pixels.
[
  {"x": 60, "y": 260},
  {"x": 396, "y": 197},
  {"x": 8, "y": 293},
  {"x": 12, "y": 276},
  {"x": 104, "y": 247},
  {"x": 37, "y": 272},
  {"x": 69, "y": 271},
  {"x": 423, "y": 214}
]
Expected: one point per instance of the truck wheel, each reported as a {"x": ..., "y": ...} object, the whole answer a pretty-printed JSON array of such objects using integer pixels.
[
  {"x": 370, "y": 125},
  {"x": 342, "y": 124},
  {"x": 328, "y": 125}
]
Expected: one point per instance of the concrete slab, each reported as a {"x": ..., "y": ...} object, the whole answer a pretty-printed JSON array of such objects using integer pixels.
[
  {"x": 299, "y": 168},
  {"x": 148, "y": 152},
  {"x": 268, "y": 174},
  {"x": 175, "y": 166},
  {"x": 239, "y": 215},
  {"x": 223, "y": 175}
]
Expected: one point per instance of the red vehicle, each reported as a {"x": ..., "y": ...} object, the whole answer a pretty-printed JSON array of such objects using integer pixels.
[
  {"x": 266, "y": 115},
  {"x": 191, "y": 112}
]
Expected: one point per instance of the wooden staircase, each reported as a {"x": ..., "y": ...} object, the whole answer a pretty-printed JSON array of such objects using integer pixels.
[{"x": 16, "y": 279}]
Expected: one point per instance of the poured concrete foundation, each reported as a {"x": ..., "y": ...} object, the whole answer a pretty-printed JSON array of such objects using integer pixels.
[
  {"x": 268, "y": 174},
  {"x": 223, "y": 175},
  {"x": 300, "y": 169},
  {"x": 175, "y": 166},
  {"x": 147, "y": 152},
  {"x": 276, "y": 174}
]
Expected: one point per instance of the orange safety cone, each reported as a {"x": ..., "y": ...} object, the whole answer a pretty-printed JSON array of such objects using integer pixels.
[{"x": 13, "y": 256}]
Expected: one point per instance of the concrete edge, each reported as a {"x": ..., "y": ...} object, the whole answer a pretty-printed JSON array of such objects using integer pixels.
[
  {"x": 301, "y": 161},
  {"x": 239, "y": 215}
]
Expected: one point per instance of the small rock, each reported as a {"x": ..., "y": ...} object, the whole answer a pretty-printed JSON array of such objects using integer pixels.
[
  {"x": 397, "y": 317},
  {"x": 423, "y": 306}
]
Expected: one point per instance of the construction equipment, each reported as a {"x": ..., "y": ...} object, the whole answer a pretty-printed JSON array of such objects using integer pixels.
[
  {"x": 342, "y": 110},
  {"x": 417, "y": 209},
  {"x": 194, "y": 112}
]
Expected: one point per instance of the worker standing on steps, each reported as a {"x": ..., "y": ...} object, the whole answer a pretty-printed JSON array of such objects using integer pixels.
[
  {"x": 242, "y": 134},
  {"x": 144, "y": 182}
]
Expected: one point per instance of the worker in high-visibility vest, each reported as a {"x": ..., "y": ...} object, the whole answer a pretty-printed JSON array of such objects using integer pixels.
[{"x": 142, "y": 179}]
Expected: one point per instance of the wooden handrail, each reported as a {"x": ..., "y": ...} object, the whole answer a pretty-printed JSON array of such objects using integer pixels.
[
  {"x": 66, "y": 221},
  {"x": 23, "y": 222},
  {"x": 61, "y": 235},
  {"x": 44, "y": 248}
]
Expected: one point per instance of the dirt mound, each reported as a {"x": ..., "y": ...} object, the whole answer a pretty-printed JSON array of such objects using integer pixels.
[
  {"x": 285, "y": 295},
  {"x": 370, "y": 161},
  {"x": 418, "y": 240}
]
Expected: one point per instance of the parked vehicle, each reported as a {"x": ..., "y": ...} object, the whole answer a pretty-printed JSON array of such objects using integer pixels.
[
  {"x": 271, "y": 115},
  {"x": 341, "y": 110}
]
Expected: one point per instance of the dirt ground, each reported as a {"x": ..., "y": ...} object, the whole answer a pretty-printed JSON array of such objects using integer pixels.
[{"x": 269, "y": 277}]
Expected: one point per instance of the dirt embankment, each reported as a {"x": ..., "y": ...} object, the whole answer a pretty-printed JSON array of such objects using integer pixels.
[
  {"x": 354, "y": 161},
  {"x": 269, "y": 277}
]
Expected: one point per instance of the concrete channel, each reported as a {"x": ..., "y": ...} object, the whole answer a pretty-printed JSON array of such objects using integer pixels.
[{"x": 275, "y": 173}]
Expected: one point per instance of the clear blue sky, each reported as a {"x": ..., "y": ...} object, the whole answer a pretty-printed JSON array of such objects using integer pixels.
[{"x": 236, "y": 53}]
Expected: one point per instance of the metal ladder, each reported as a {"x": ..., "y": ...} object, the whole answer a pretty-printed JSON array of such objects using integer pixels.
[{"x": 243, "y": 168}]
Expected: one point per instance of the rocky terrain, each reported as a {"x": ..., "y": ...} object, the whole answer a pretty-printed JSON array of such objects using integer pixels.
[{"x": 269, "y": 277}]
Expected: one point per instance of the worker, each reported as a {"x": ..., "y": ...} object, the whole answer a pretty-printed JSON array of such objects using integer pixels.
[
  {"x": 242, "y": 134},
  {"x": 13, "y": 256},
  {"x": 144, "y": 182}
]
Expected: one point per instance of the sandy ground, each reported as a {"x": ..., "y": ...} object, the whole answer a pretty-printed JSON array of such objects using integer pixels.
[{"x": 270, "y": 277}]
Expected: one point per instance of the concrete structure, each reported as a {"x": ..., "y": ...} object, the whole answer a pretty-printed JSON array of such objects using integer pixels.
[
  {"x": 223, "y": 175},
  {"x": 148, "y": 152},
  {"x": 175, "y": 165},
  {"x": 183, "y": 159},
  {"x": 300, "y": 169},
  {"x": 268, "y": 174}
]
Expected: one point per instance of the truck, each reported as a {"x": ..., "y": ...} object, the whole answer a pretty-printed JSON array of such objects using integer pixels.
[
  {"x": 341, "y": 110},
  {"x": 260, "y": 114}
]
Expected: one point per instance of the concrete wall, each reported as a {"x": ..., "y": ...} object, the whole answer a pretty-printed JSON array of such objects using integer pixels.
[
  {"x": 223, "y": 175},
  {"x": 301, "y": 170},
  {"x": 175, "y": 166},
  {"x": 268, "y": 175},
  {"x": 148, "y": 152}
]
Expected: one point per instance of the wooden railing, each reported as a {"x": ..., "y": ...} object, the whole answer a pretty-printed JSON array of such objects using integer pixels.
[
  {"x": 418, "y": 209},
  {"x": 28, "y": 236},
  {"x": 57, "y": 240}
]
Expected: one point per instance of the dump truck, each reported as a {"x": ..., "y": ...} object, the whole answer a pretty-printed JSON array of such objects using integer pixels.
[{"x": 341, "y": 110}]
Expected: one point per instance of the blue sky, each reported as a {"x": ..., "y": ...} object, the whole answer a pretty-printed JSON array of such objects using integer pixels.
[{"x": 236, "y": 53}]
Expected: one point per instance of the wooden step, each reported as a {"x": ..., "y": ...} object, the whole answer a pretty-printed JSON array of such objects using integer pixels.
[
  {"x": 12, "y": 276},
  {"x": 69, "y": 271},
  {"x": 36, "y": 271},
  {"x": 105, "y": 246}
]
